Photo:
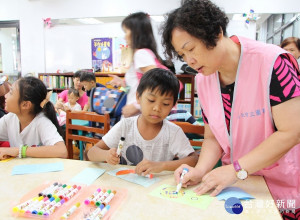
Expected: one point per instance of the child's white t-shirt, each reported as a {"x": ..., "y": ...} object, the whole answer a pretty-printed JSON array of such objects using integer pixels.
[
  {"x": 141, "y": 58},
  {"x": 170, "y": 142},
  {"x": 77, "y": 107},
  {"x": 41, "y": 131}
]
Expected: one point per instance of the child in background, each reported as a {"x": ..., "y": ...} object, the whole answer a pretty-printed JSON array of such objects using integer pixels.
[
  {"x": 151, "y": 142},
  {"x": 63, "y": 96},
  {"x": 31, "y": 122},
  {"x": 88, "y": 80},
  {"x": 139, "y": 36},
  {"x": 72, "y": 105}
]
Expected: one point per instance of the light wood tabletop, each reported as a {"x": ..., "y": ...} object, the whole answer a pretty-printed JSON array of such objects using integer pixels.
[{"x": 138, "y": 204}]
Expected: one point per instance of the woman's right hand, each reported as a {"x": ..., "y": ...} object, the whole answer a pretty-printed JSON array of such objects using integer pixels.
[
  {"x": 193, "y": 177},
  {"x": 116, "y": 81}
]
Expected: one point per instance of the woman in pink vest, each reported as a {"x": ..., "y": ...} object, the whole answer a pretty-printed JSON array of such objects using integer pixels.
[{"x": 248, "y": 93}]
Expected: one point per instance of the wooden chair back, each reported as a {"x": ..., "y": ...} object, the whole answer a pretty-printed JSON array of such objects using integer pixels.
[
  {"x": 192, "y": 129},
  {"x": 86, "y": 116}
]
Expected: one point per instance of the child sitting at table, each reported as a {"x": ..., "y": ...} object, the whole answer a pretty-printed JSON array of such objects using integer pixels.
[
  {"x": 151, "y": 142},
  {"x": 88, "y": 80},
  {"x": 31, "y": 122},
  {"x": 72, "y": 105}
]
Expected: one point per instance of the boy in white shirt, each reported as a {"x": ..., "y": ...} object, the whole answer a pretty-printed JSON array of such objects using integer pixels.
[{"x": 151, "y": 142}]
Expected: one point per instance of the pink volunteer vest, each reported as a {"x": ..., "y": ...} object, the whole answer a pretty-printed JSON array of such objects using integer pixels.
[{"x": 251, "y": 119}]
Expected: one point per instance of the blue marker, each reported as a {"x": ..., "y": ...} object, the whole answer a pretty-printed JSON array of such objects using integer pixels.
[{"x": 185, "y": 170}]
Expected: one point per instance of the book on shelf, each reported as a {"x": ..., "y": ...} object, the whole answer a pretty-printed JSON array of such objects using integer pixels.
[
  {"x": 197, "y": 108},
  {"x": 183, "y": 106},
  {"x": 187, "y": 90},
  {"x": 57, "y": 82}
]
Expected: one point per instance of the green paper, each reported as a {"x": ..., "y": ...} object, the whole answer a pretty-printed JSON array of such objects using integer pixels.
[{"x": 185, "y": 196}]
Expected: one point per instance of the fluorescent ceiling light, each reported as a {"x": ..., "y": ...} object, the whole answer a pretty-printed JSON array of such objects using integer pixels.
[
  {"x": 158, "y": 18},
  {"x": 89, "y": 21}
]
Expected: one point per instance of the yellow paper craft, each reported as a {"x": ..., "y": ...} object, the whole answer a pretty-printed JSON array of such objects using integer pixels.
[
  {"x": 184, "y": 196},
  {"x": 5, "y": 160}
]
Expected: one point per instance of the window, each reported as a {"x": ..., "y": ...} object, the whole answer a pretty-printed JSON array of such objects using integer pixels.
[
  {"x": 287, "y": 17},
  {"x": 270, "y": 26},
  {"x": 282, "y": 26},
  {"x": 277, "y": 22},
  {"x": 287, "y": 32},
  {"x": 296, "y": 29}
]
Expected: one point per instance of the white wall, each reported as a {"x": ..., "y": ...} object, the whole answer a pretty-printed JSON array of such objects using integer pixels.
[
  {"x": 242, "y": 29},
  {"x": 31, "y": 14},
  {"x": 68, "y": 48}
]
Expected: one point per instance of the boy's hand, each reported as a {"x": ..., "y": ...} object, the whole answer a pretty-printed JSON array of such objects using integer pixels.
[
  {"x": 112, "y": 156},
  {"x": 147, "y": 167},
  {"x": 7, "y": 152}
]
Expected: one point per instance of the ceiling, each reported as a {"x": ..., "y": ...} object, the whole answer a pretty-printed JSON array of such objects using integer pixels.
[{"x": 260, "y": 18}]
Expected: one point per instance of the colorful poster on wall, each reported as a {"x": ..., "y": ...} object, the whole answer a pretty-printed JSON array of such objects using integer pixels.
[{"x": 102, "y": 55}]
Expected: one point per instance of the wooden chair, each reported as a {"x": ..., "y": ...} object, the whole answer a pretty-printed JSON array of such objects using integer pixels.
[
  {"x": 79, "y": 121},
  {"x": 189, "y": 128}
]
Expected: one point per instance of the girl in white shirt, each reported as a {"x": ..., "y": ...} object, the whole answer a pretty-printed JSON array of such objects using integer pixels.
[
  {"x": 31, "y": 122},
  {"x": 139, "y": 36}
]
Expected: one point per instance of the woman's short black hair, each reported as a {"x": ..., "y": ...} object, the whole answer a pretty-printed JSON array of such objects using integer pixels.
[
  {"x": 77, "y": 74},
  {"x": 142, "y": 36},
  {"x": 163, "y": 80},
  {"x": 200, "y": 18}
]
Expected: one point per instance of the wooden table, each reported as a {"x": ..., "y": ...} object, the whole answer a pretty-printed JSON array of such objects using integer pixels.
[{"x": 138, "y": 205}]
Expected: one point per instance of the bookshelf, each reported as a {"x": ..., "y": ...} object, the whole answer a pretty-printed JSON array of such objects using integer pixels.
[
  {"x": 186, "y": 96},
  {"x": 61, "y": 81},
  {"x": 57, "y": 81}
]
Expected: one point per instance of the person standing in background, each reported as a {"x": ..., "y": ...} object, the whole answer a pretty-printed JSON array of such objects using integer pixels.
[
  {"x": 139, "y": 36},
  {"x": 292, "y": 45}
]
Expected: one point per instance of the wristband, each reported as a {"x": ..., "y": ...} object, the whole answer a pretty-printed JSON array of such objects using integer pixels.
[
  {"x": 24, "y": 149},
  {"x": 20, "y": 151}
]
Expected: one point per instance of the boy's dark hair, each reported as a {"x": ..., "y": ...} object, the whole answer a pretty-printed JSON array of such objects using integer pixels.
[
  {"x": 74, "y": 91},
  {"x": 142, "y": 36},
  {"x": 200, "y": 18},
  {"x": 163, "y": 80},
  {"x": 34, "y": 90},
  {"x": 87, "y": 76}
]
